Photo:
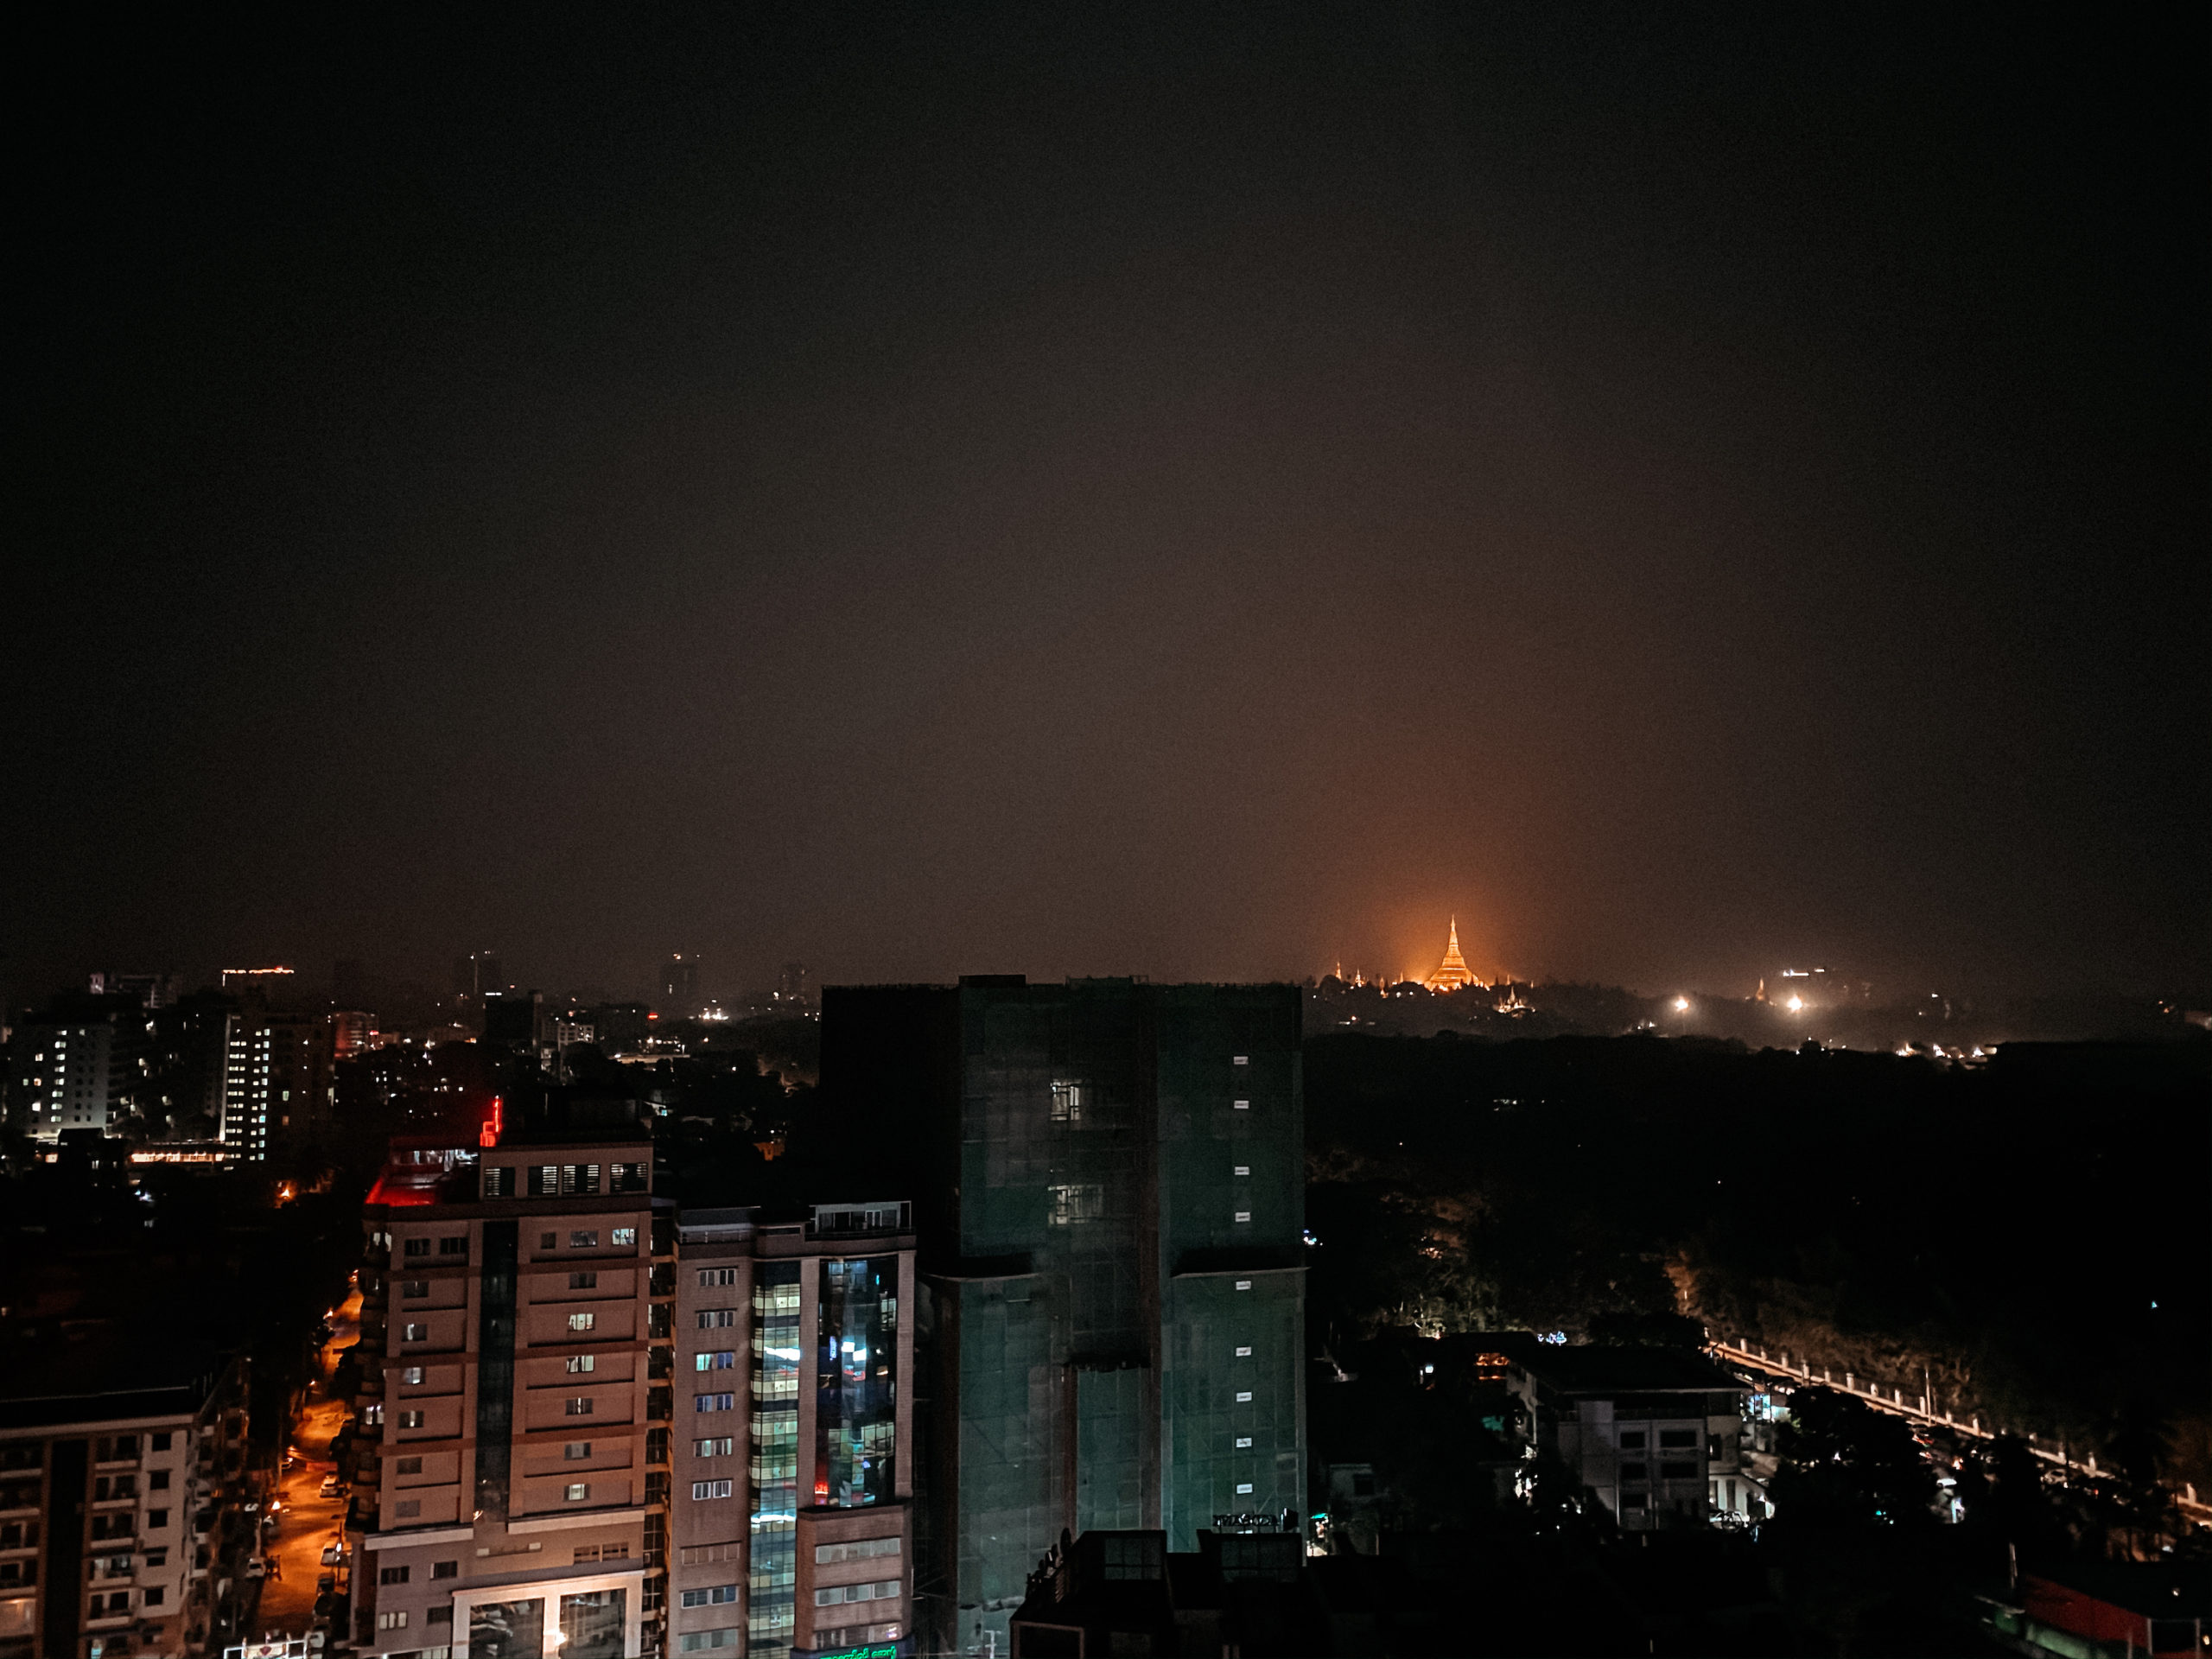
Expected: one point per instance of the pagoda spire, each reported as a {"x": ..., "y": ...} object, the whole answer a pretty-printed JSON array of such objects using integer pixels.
[{"x": 1452, "y": 974}]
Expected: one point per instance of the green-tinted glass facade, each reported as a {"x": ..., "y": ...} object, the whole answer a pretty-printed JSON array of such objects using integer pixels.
[{"x": 1112, "y": 1214}]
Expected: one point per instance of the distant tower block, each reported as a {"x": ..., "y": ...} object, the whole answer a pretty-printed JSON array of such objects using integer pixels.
[{"x": 1452, "y": 974}]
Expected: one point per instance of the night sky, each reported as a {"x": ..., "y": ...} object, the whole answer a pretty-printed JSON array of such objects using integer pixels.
[{"x": 1200, "y": 492}]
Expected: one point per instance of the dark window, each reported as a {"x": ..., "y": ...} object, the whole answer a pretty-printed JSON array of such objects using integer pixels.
[
  {"x": 1670, "y": 1438},
  {"x": 453, "y": 1246},
  {"x": 1632, "y": 1439},
  {"x": 445, "y": 1569},
  {"x": 416, "y": 1247},
  {"x": 1678, "y": 1472},
  {"x": 1634, "y": 1471},
  {"x": 438, "y": 1616},
  {"x": 583, "y": 1281},
  {"x": 392, "y": 1575},
  {"x": 162, "y": 1441}
]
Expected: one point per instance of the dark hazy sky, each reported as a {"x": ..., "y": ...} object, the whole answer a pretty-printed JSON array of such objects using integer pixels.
[{"x": 1203, "y": 492}]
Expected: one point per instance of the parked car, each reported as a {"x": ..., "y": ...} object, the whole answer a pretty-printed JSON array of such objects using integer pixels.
[
  {"x": 333, "y": 1556},
  {"x": 330, "y": 1486},
  {"x": 256, "y": 1567}
]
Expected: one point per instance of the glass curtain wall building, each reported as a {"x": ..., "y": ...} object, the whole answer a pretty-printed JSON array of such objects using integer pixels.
[
  {"x": 792, "y": 1483},
  {"x": 1110, "y": 1179}
]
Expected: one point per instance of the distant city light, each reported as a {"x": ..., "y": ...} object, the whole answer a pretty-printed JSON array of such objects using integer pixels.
[
  {"x": 1796, "y": 1005},
  {"x": 1682, "y": 1005}
]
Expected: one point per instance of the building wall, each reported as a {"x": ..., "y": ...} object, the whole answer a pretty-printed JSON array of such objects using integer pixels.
[
  {"x": 774, "y": 1563},
  {"x": 126, "y": 1530},
  {"x": 1112, "y": 1210},
  {"x": 510, "y": 1342},
  {"x": 74, "y": 1074}
]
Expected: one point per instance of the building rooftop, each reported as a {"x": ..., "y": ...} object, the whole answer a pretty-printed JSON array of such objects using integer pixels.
[
  {"x": 90, "y": 1371},
  {"x": 1592, "y": 1368}
]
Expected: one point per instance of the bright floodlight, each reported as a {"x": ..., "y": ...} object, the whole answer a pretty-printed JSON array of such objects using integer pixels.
[
  {"x": 1797, "y": 1005},
  {"x": 1682, "y": 1005}
]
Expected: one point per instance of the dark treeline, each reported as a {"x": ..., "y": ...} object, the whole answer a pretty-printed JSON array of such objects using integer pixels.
[{"x": 2026, "y": 1239}]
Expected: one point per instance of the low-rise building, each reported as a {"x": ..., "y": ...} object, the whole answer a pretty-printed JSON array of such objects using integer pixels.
[{"x": 1651, "y": 1433}]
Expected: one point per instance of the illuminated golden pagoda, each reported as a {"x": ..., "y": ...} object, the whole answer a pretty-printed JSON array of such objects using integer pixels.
[{"x": 1452, "y": 974}]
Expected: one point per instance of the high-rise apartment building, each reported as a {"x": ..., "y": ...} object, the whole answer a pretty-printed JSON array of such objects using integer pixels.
[
  {"x": 123, "y": 1493},
  {"x": 679, "y": 986},
  {"x": 560, "y": 1372},
  {"x": 794, "y": 1457},
  {"x": 514, "y": 1373},
  {"x": 477, "y": 972},
  {"x": 77, "y": 1066},
  {"x": 1110, "y": 1176},
  {"x": 278, "y": 1082}
]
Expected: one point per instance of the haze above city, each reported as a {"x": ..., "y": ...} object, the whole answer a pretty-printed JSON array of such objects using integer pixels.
[{"x": 1203, "y": 496}]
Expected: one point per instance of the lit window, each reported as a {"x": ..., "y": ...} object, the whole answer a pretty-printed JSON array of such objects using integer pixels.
[
  {"x": 1067, "y": 1103},
  {"x": 623, "y": 1236},
  {"x": 1244, "y": 1169},
  {"x": 412, "y": 1374},
  {"x": 1073, "y": 1205},
  {"x": 1243, "y": 1215},
  {"x": 715, "y": 1402},
  {"x": 579, "y": 1407},
  {"x": 579, "y": 1364},
  {"x": 576, "y": 1450},
  {"x": 719, "y": 1447},
  {"x": 1241, "y": 1105},
  {"x": 582, "y": 1321},
  {"x": 1243, "y": 1489},
  {"x": 1243, "y": 1442},
  {"x": 411, "y": 1419},
  {"x": 584, "y": 1241},
  {"x": 704, "y": 1489},
  {"x": 722, "y": 1360},
  {"x": 394, "y": 1620},
  {"x": 415, "y": 1333},
  {"x": 577, "y": 1491},
  {"x": 1245, "y": 1398},
  {"x": 717, "y": 1318},
  {"x": 1243, "y": 1353},
  {"x": 1243, "y": 1284}
]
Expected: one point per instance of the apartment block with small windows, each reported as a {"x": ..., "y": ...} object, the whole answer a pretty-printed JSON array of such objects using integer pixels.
[
  {"x": 123, "y": 1493},
  {"x": 791, "y": 1520},
  {"x": 77, "y": 1066},
  {"x": 513, "y": 1417}
]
